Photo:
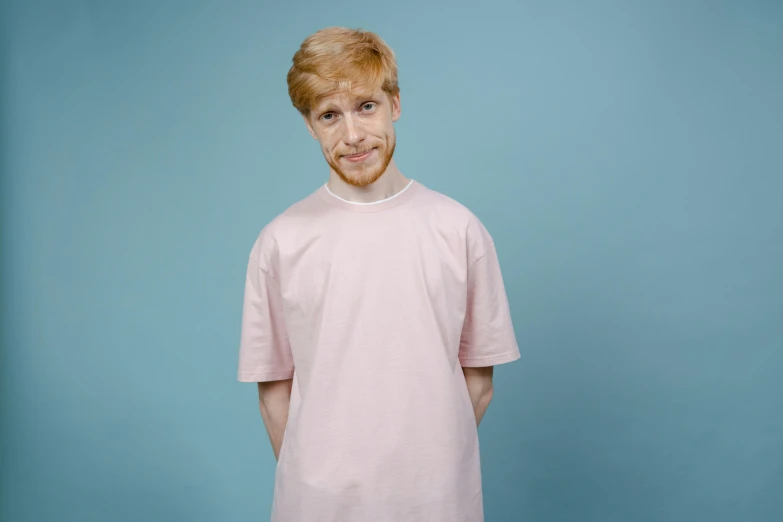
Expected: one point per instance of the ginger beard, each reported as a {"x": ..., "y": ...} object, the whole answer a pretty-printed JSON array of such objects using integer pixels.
[{"x": 368, "y": 171}]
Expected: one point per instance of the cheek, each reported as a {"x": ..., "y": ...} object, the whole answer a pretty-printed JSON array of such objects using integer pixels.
[
  {"x": 330, "y": 140},
  {"x": 327, "y": 144},
  {"x": 390, "y": 136}
]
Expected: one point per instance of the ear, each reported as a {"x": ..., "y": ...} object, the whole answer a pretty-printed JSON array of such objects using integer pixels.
[
  {"x": 306, "y": 119},
  {"x": 396, "y": 109}
]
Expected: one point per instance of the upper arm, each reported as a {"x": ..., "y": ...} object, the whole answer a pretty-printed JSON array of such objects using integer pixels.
[
  {"x": 264, "y": 352},
  {"x": 479, "y": 372},
  {"x": 487, "y": 337},
  {"x": 272, "y": 391}
]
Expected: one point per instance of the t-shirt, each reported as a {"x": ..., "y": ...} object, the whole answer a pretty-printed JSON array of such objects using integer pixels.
[{"x": 372, "y": 309}]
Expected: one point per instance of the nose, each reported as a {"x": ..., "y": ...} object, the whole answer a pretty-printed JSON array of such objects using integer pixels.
[{"x": 354, "y": 133}]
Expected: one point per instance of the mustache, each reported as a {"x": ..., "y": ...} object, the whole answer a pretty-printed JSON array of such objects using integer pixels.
[{"x": 354, "y": 153}]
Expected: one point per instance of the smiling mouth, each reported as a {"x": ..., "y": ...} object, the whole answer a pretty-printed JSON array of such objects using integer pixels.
[{"x": 358, "y": 156}]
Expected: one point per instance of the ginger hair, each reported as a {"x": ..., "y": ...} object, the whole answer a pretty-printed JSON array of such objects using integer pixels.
[{"x": 338, "y": 59}]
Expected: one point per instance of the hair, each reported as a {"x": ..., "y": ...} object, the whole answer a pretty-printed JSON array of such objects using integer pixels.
[{"x": 338, "y": 59}]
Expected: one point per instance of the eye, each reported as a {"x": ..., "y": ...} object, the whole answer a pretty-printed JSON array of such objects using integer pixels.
[
  {"x": 368, "y": 106},
  {"x": 328, "y": 116}
]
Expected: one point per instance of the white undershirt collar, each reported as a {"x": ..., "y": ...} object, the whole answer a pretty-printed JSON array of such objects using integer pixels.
[{"x": 326, "y": 186}]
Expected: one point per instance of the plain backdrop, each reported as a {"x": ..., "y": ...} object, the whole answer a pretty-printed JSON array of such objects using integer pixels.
[{"x": 626, "y": 156}]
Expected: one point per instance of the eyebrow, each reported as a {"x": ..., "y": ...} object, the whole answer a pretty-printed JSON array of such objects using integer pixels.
[{"x": 356, "y": 98}]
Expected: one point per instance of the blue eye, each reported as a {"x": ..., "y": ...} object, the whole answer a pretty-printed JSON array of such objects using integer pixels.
[
  {"x": 370, "y": 105},
  {"x": 327, "y": 116}
]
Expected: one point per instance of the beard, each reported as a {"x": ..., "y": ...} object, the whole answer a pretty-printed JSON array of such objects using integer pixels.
[{"x": 362, "y": 175}]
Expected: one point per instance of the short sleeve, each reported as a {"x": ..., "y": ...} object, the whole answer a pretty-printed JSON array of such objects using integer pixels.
[
  {"x": 264, "y": 352},
  {"x": 488, "y": 337}
]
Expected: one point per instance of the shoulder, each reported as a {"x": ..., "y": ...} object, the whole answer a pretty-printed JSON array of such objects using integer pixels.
[
  {"x": 288, "y": 223},
  {"x": 465, "y": 221},
  {"x": 440, "y": 202}
]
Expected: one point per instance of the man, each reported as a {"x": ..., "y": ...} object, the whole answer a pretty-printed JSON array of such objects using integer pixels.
[{"x": 374, "y": 312}]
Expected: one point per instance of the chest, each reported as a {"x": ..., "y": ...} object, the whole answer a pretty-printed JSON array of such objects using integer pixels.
[{"x": 361, "y": 269}]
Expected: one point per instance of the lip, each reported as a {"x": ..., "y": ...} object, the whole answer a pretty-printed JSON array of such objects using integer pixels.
[{"x": 360, "y": 157}]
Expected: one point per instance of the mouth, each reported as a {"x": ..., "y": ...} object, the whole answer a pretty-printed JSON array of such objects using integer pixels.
[{"x": 360, "y": 156}]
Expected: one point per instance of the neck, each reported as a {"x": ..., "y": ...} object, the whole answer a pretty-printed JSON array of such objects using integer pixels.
[{"x": 391, "y": 182}]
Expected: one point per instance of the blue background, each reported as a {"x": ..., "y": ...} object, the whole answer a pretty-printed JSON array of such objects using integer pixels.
[{"x": 626, "y": 156}]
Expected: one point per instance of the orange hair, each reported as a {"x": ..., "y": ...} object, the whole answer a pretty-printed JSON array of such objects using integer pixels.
[{"x": 336, "y": 59}]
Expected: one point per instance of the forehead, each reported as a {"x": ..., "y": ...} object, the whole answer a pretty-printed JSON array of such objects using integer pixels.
[{"x": 347, "y": 97}]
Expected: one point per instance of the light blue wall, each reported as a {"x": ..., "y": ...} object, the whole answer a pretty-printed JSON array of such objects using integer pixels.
[{"x": 627, "y": 157}]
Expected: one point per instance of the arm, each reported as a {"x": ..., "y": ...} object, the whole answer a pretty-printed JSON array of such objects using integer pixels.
[
  {"x": 273, "y": 400},
  {"x": 479, "y": 381}
]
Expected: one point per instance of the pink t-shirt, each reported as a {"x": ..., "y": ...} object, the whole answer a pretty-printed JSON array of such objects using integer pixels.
[{"x": 372, "y": 309}]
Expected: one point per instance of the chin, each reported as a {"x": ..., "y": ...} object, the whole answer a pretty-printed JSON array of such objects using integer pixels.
[{"x": 360, "y": 180}]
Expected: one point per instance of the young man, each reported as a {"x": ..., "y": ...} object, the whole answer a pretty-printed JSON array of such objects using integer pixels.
[{"x": 374, "y": 312}]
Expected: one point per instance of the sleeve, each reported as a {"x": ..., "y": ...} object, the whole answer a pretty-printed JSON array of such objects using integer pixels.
[
  {"x": 488, "y": 337},
  {"x": 264, "y": 351}
]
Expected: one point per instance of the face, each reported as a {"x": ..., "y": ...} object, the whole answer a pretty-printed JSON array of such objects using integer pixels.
[{"x": 356, "y": 133}]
